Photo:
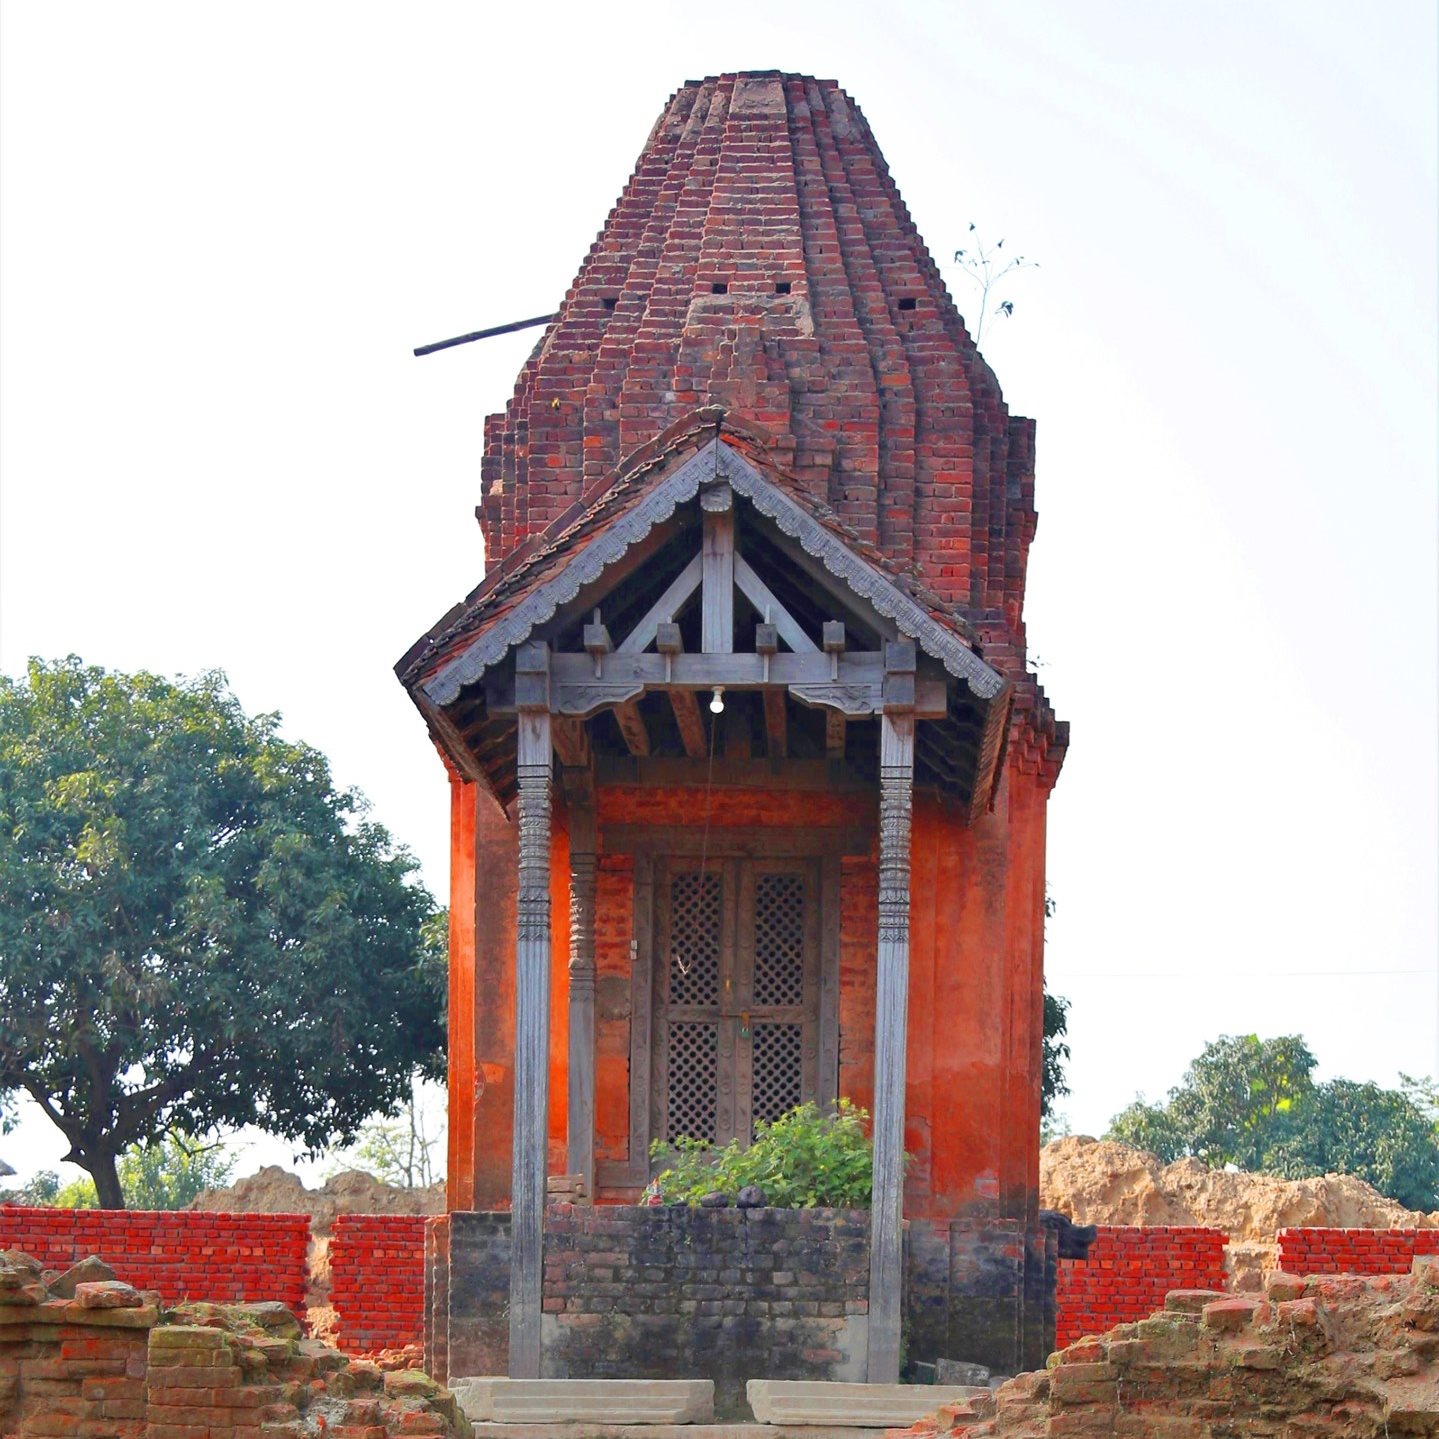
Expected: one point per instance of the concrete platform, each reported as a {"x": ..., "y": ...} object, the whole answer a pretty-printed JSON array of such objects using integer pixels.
[
  {"x": 867, "y": 1406},
  {"x": 590, "y": 1404}
]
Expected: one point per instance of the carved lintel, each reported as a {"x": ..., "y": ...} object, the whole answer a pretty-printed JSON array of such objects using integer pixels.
[
  {"x": 587, "y": 699},
  {"x": 852, "y": 699}
]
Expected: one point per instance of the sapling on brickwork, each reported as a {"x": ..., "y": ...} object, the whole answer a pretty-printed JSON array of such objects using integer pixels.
[{"x": 986, "y": 267}]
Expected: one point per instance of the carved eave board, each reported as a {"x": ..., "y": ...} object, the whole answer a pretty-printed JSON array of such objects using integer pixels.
[{"x": 712, "y": 574}]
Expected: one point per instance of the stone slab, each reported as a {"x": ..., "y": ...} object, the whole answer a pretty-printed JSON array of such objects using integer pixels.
[
  {"x": 491, "y": 1430},
  {"x": 867, "y": 1406},
  {"x": 591, "y": 1402}
]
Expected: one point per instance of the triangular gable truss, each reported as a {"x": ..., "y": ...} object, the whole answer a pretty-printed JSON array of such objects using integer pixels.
[{"x": 919, "y": 661}]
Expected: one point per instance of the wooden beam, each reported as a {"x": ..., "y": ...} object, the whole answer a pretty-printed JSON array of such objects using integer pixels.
[
  {"x": 665, "y": 608},
  {"x": 690, "y": 722},
  {"x": 776, "y": 719},
  {"x": 704, "y": 671},
  {"x": 580, "y": 1129},
  {"x": 532, "y": 1028},
  {"x": 886, "y": 1268},
  {"x": 717, "y": 582},
  {"x": 834, "y": 733},
  {"x": 762, "y": 598},
  {"x": 633, "y": 728}
]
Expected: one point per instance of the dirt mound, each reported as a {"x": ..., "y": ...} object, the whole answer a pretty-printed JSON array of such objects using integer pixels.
[
  {"x": 1343, "y": 1356},
  {"x": 1096, "y": 1181},
  {"x": 276, "y": 1191}
]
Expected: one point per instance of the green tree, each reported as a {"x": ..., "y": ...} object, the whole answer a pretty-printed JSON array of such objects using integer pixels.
[
  {"x": 1253, "y": 1103},
  {"x": 1239, "y": 1097},
  {"x": 197, "y": 931},
  {"x": 1148, "y": 1126},
  {"x": 1056, "y": 1052},
  {"x": 1380, "y": 1135}
]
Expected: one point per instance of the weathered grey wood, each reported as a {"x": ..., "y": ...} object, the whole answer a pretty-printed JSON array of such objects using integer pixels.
[
  {"x": 581, "y": 1110},
  {"x": 665, "y": 608},
  {"x": 632, "y": 540},
  {"x": 641, "y": 1011},
  {"x": 717, "y": 583},
  {"x": 829, "y": 914},
  {"x": 690, "y": 722},
  {"x": 834, "y": 733},
  {"x": 532, "y": 1027},
  {"x": 734, "y": 841},
  {"x": 762, "y": 598},
  {"x": 703, "y": 671},
  {"x": 776, "y": 723},
  {"x": 896, "y": 796},
  {"x": 572, "y": 741},
  {"x": 632, "y": 726}
]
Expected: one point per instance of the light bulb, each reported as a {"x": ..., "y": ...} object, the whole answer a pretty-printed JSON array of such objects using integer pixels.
[{"x": 717, "y": 702}]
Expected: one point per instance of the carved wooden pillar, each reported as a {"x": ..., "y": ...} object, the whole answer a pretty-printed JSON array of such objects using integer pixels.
[
  {"x": 581, "y": 1110},
  {"x": 886, "y": 1257},
  {"x": 532, "y": 1012}
]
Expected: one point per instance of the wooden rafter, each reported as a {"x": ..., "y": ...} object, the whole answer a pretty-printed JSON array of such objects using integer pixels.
[{"x": 633, "y": 728}]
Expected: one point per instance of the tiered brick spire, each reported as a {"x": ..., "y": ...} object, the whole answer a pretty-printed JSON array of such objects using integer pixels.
[{"x": 761, "y": 258}]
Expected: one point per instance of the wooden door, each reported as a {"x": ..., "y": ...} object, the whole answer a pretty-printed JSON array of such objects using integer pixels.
[{"x": 737, "y": 988}]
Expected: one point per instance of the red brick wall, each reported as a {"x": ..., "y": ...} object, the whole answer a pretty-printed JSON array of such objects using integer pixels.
[
  {"x": 185, "y": 1255},
  {"x": 1128, "y": 1273},
  {"x": 377, "y": 1281},
  {"x": 1354, "y": 1251}
]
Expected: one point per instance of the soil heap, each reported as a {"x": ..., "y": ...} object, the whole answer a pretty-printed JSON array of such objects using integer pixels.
[{"x": 1096, "y": 1181}]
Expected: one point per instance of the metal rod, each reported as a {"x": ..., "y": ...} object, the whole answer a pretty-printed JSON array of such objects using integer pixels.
[{"x": 484, "y": 334}]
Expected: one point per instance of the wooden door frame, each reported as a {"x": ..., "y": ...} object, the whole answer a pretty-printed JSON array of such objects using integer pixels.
[{"x": 824, "y": 845}]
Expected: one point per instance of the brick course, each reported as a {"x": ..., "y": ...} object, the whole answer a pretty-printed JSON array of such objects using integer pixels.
[
  {"x": 183, "y": 1255},
  {"x": 1129, "y": 1271},
  {"x": 377, "y": 1280},
  {"x": 1354, "y": 1251}
]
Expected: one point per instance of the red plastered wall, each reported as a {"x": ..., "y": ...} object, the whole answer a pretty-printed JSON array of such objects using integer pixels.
[
  {"x": 377, "y": 1281},
  {"x": 224, "y": 1258},
  {"x": 1354, "y": 1251},
  {"x": 1128, "y": 1273}
]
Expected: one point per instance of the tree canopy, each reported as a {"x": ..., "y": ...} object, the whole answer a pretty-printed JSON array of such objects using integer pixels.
[
  {"x": 1253, "y": 1103},
  {"x": 197, "y": 930}
]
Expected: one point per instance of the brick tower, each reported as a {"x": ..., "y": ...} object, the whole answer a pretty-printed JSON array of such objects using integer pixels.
[{"x": 757, "y": 458}]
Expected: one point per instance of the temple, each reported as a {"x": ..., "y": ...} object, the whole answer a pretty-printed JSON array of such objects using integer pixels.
[{"x": 748, "y": 770}]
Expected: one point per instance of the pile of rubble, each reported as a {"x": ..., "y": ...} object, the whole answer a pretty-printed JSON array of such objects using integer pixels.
[
  {"x": 82, "y": 1352},
  {"x": 1334, "y": 1356}
]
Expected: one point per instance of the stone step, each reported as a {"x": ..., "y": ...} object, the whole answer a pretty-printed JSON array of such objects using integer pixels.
[
  {"x": 589, "y": 1401},
  {"x": 591, "y": 1430},
  {"x": 868, "y": 1406}
]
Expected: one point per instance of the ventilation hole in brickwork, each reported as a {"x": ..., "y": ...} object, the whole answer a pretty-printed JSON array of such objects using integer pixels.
[
  {"x": 908, "y": 303},
  {"x": 719, "y": 288},
  {"x": 782, "y": 287},
  {"x": 610, "y": 301}
]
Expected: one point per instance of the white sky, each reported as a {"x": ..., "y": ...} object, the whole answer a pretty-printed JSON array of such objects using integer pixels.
[{"x": 224, "y": 226}]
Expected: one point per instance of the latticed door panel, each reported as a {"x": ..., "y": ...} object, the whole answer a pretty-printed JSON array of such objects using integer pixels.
[{"x": 737, "y": 988}]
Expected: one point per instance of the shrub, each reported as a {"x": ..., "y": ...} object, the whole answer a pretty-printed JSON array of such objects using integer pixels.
[{"x": 804, "y": 1159}]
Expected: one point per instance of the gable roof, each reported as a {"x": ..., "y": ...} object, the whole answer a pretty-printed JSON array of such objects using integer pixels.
[{"x": 584, "y": 543}]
